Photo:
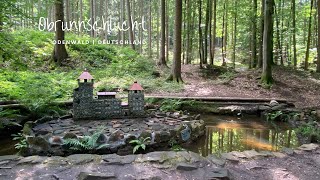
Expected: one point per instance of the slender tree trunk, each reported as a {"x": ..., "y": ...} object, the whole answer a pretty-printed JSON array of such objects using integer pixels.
[
  {"x": 224, "y": 63},
  {"x": 167, "y": 32},
  {"x": 318, "y": 46},
  {"x": 293, "y": 4},
  {"x": 210, "y": 32},
  {"x": 260, "y": 59},
  {"x": 214, "y": 30},
  {"x": 157, "y": 31},
  {"x": 60, "y": 52},
  {"x": 201, "y": 53},
  {"x": 123, "y": 5},
  {"x": 92, "y": 10},
  {"x": 150, "y": 31},
  {"x": 81, "y": 15},
  {"x": 131, "y": 30},
  {"x": 176, "y": 67},
  {"x": 254, "y": 34},
  {"x": 234, "y": 35},
  {"x": 267, "y": 42},
  {"x": 306, "y": 61},
  {"x": 162, "y": 59},
  {"x": 279, "y": 47},
  {"x": 206, "y": 33},
  {"x": 188, "y": 3},
  {"x": 223, "y": 34},
  {"x": 140, "y": 29}
]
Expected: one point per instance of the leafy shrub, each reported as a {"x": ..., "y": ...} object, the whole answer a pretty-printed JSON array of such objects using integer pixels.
[
  {"x": 309, "y": 130},
  {"x": 174, "y": 104},
  {"x": 22, "y": 141},
  {"x": 140, "y": 143},
  {"x": 85, "y": 143}
]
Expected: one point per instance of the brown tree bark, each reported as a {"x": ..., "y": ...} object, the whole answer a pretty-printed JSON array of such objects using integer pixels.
[
  {"x": 306, "y": 61},
  {"x": 201, "y": 51},
  {"x": 176, "y": 67},
  {"x": 60, "y": 52},
  {"x": 267, "y": 42},
  {"x": 254, "y": 34},
  {"x": 293, "y": 4},
  {"x": 260, "y": 57},
  {"x": 214, "y": 31},
  {"x": 150, "y": 31},
  {"x": 318, "y": 45},
  {"x": 162, "y": 59},
  {"x": 234, "y": 34},
  {"x": 131, "y": 35}
]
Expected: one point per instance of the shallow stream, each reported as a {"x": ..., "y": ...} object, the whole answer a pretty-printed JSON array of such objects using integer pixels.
[{"x": 228, "y": 133}]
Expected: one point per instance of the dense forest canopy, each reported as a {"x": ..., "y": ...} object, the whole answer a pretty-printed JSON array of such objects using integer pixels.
[{"x": 248, "y": 33}]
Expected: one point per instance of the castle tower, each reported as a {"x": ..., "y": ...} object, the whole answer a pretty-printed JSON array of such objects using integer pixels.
[
  {"x": 136, "y": 100},
  {"x": 83, "y": 95}
]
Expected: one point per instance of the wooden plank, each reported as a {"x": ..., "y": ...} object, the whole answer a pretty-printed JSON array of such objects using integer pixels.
[{"x": 220, "y": 99}]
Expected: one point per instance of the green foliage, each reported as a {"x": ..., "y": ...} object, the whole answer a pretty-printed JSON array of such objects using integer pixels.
[
  {"x": 8, "y": 113},
  {"x": 273, "y": 115},
  {"x": 175, "y": 146},
  {"x": 309, "y": 130},
  {"x": 140, "y": 143},
  {"x": 22, "y": 141},
  {"x": 175, "y": 104},
  {"x": 86, "y": 142}
]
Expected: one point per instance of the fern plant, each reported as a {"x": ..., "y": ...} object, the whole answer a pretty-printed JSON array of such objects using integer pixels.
[
  {"x": 140, "y": 143},
  {"x": 85, "y": 143},
  {"x": 22, "y": 141}
]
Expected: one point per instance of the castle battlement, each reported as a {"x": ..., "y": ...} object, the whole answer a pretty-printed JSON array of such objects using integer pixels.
[{"x": 107, "y": 106}]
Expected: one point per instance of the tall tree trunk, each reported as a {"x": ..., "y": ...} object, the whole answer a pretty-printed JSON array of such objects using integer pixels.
[
  {"x": 214, "y": 30},
  {"x": 92, "y": 16},
  {"x": 293, "y": 4},
  {"x": 157, "y": 31},
  {"x": 150, "y": 31},
  {"x": 167, "y": 32},
  {"x": 234, "y": 35},
  {"x": 254, "y": 34},
  {"x": 267, "y": 42},
  {"x": 206, "y": 32},
  {"x": 60, "y": 52},
  {"x": 210, "y": 32},
  {"x": 318, "y": 46},
  {"x": 260, "y": 59},
  {"x": 188, "y": 10},
  {"x": 81, "y": 15},
  {"x": 131, "y": 35},
  {"x": 224, "y": 63},
  {"x": 279, "y": 47},
  {"x": 176, "y": 67},
  {"x": 123, "y": 6},
  {"x": 201, "y": 53},
  {"x": 306, "y": 61},
  {"x": 162, "y": 59},
  {"x": 140, "y": 29}
]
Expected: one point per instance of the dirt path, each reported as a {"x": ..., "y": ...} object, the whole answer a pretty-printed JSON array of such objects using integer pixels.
[{"x": 301, "y": 87}]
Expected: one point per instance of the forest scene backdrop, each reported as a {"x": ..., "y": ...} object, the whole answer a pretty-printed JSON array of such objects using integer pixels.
[{"x": 217, "y": 48}]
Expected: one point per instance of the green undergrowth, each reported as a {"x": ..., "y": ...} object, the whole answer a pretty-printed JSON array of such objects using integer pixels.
[{"x": 27, "y": 73}]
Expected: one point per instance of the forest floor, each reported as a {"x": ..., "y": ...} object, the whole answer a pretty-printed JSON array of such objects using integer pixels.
[{"x": 303, "y": 88}]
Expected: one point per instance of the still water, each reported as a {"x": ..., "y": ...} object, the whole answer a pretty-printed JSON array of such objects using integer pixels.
[{"x": 226, "y": 134}]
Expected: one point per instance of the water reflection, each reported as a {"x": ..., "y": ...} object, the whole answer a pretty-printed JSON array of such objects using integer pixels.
[{"x": 226, "y": 134}]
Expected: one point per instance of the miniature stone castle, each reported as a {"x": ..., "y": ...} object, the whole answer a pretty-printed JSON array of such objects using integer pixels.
[{"x": 105, "y": 105}]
